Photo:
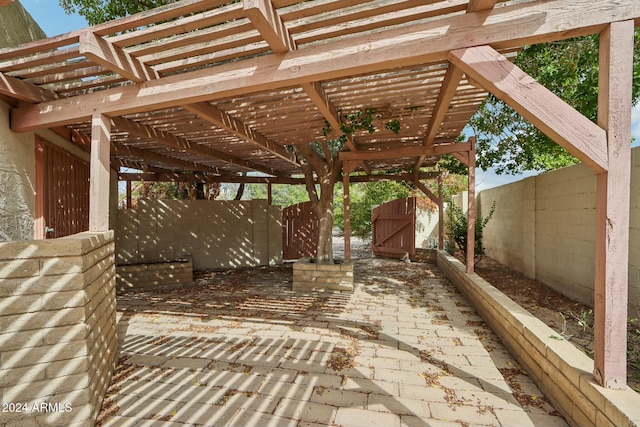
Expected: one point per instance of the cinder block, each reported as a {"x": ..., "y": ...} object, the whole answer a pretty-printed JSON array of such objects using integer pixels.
[
  {"x": 19, "y": 268},
  {"x": 24, "y": 375},
  {"x": 20, "y": 304},
  {"x": 45, "y": 389},
  {"x": 67, "y": 367},
  {"x": 45, "y": 354},
  {"x": 17, "y": 340},
  {"x": 58, "y": 300},
  {"x": 63, "y": 334}
]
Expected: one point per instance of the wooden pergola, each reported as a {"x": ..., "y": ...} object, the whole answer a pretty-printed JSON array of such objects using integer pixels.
[{"x": 223, "y": 88}]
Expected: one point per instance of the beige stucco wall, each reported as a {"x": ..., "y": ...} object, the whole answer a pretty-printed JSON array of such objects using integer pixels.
[
  {"x": 17, "y": 26},
  {"x": 426, "y": 228},
  {"x": 17, "y": 180},
  {"x": 215, "y": 234},
  {"x": 544, "y": 227}
]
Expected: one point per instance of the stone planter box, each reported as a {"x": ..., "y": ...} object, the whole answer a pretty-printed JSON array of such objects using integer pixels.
[
  {"x": 160, "y": 275},
  {"x": 308, "y": 276}
]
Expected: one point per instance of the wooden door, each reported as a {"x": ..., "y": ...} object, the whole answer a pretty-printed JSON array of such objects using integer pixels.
[{"x": 393, "y": 228}]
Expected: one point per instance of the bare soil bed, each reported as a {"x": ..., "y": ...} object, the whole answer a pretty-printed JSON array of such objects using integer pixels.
[{"x": 570, "y": 319}]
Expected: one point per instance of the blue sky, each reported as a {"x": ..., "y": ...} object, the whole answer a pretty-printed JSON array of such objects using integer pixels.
[{"x": 55, "y": 21}]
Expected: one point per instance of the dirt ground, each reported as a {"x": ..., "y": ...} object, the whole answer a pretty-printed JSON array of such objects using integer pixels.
[{"x": 571, "y": 319}]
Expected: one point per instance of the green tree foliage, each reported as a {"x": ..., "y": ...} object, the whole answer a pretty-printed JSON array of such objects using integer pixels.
[
  {"x": 569, "y": 68},
  {"x": 98, "y": 11},
  {"x": 363, "y": 197},
  {"x": 281, "y": 194}
]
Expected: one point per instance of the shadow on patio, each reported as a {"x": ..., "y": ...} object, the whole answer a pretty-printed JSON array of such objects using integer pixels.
[{"x": 242, "y": 349}]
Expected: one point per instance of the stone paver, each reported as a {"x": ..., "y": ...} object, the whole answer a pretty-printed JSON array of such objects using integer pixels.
[{"x": 242, "y": 349}]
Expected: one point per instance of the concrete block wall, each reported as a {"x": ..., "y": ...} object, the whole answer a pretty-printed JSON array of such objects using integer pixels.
[
  {"x": 560, "y": 370},
  {"x": 159, "y": 275},
  {"x": 58, "y": 344},
  {"x": 544, "y": 227},
  {"x": 214, "y": 234}
]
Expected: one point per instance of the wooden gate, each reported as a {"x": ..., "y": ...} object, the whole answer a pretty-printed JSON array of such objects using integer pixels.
[
  {"x": 393, "y": 228},
  {"x": 62, "y": 192},
  {"x": 299, "y": 231}
]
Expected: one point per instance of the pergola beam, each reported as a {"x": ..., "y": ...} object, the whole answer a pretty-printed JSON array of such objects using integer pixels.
[
  {"x": 480, "y": 5},
  {"x": 206, "y": 178},
  {"x": 216, "y": 116},
  {"x": 114, "y": 58},
  {"x": 584, "y": 139},
  {"x": 320, "y": 99},
  {"x": 23, "y": 91},
  {"x": 401, "y": 152},
  {"x": 504, "y": 27},
  {"x": 445, "y": 96},
  {"x": 173, "y": 141},
  {"x": 150, "y": 156},
  {"x": 266, "y": 20}
]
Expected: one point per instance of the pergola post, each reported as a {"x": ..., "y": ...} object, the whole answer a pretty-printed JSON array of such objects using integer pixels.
[
  {"x": 99, "y": 181},
  {"x": 129, "y": 191},
  {"x": 269, "y": 194},
  {"x": 347, "y": 167},
  {"x": 612, "y": 206},
  {"x": 471, "y": 207},
  {"x": 440, "y": 214}
]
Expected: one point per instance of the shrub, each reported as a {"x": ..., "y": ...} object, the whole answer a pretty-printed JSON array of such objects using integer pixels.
[{"x": 457, "y": 226}]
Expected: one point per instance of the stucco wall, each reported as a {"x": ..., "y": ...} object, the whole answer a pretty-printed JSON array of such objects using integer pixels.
[
  {"x": 58, "y": 341},
  {"x": 544, "y": 227},
  {"x": 214, "y": 234},
  {"x": 17, "y": 179},
  {"x": 17, "y": 26}
]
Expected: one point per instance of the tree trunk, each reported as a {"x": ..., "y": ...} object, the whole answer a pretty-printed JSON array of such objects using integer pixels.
[
  {"x": 327, "y": 169},
  {"x": 324, "y": 211}
]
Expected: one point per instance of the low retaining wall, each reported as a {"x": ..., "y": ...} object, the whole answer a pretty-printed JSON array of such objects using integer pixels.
[
  {"x": 58, "y": 344},
  {"x": 563, "y": 373},
  {"x": 160, "y": 275},
  {"x": 309, "y": 276},
  {"x": 425, "y": 255}
]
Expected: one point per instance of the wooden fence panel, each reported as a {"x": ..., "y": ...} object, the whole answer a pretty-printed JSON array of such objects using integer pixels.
[
  {"x": 62, "y": 192},
  {"x": 299, "y": 231},
  {"x": 393, "y": 228}
]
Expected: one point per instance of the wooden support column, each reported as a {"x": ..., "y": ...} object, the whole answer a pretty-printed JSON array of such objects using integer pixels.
[
  {"x": 440, "y": 214},
  {"x": 39, "y": 224},
  {"x": 347, "y": 167},
  {"x": 612, "y": 207},
  {"x": 269, "y": 194},
  {"x": 100, "y": 173},
  {"x": 471, "y": 208},
  {"x": 129, "y": 191}
]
